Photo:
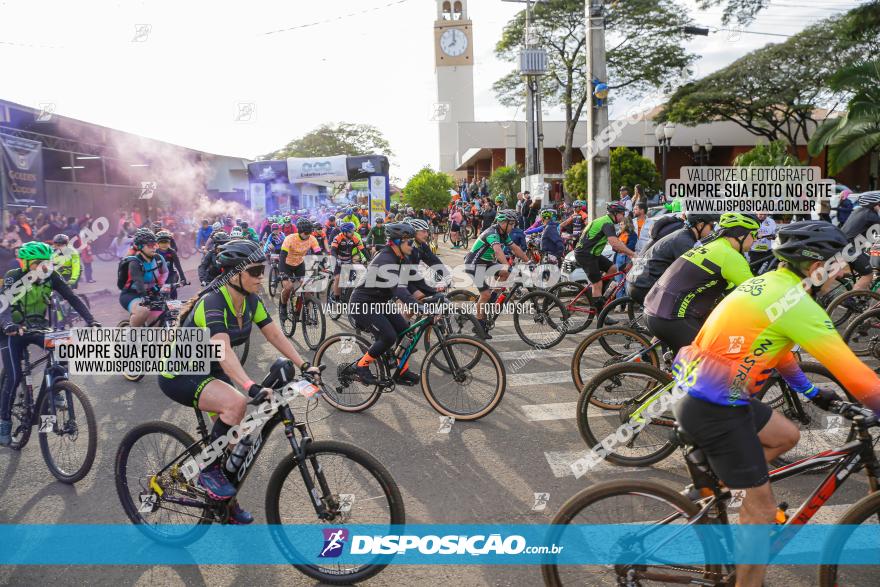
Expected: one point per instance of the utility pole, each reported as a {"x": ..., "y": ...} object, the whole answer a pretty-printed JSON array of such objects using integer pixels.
[
  {"x": 530, "y": 101},
  {"x": 598, "y": 159}
]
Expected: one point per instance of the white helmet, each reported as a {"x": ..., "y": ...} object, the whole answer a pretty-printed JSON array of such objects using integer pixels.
[
  {"x": 216, "y": 226},
  {"x": 417, "y": 223},
  {"x": 236, "y": 233}
]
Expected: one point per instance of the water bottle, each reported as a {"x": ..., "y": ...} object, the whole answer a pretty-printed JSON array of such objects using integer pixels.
[{"x": 236, "y": 458}]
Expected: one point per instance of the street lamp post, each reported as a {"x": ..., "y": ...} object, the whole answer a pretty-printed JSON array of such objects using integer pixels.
[
  {"x": 702, "y": 152},
  {"x": 664, "y": 133}
]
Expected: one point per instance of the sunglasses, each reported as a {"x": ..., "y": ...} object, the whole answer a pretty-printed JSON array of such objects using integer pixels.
[
  {"x": 408, "y": 241},
  {"x": 256, "y": 270}
]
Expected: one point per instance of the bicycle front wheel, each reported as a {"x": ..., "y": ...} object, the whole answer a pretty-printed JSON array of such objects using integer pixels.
[
  {"x": 850, "y": 304},
  {"x": 540, "y": 320},
  {"x": 273, "y": 282},
  {"x": 471, "y": 381},
  {"x": 635, "y": 503},
  {"x": 340, "y": 387},
  {"x": 862, "y": 335},
  {"x": 605, "y": 347},
  {"x": 865, "y": 511},
  {"x": 69, "y": 437},
  {"x": 314, "y": 324},
  {"x": 22, "y": 422},
  {"x": 133, "y": 377},
  {"x": 351, "y": 485},
  {"x": 178, "y": 516}
]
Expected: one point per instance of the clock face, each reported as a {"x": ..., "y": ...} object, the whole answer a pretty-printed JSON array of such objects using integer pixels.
[{"x": 453, "y": 42}]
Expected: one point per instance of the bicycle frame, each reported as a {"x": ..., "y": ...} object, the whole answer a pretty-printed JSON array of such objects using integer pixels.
[{"x": 613, "y": 289}]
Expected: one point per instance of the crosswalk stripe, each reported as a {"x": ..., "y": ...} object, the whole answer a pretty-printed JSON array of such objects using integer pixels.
[
  {"x": 536, "y": 354},
  {"x": 541, "y": 378},
  {"x": 558, "y": 411}
]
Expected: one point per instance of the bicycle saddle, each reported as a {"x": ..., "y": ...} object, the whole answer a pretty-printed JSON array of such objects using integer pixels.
[
  {"x": 280, "y": 373},
  {"x": 684, "y": 438}
]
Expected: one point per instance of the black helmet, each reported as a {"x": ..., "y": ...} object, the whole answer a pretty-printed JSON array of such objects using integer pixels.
[
  {"x": 809, "y": 240},
  {"x": 615, "y": 208},
  {"x": 304, "y": 226},
  {"x": 220, "y": 237},
  {"x": 399, "y": 230},
  {"x": 143, "y": 236},
  {"x": 238, "y": 254},
  {"x": 694, "y": 218}
]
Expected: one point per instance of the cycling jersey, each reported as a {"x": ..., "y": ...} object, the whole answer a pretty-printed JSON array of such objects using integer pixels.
[
  {"x": 353, "y": 219},
  {"x": 273, "y": 243},
  {"x": 383, "y": 280},
  {"x": 595, "y": 236},
  {"x": 172, "y": 261},
  {"x": 144, "y": 275},
  {"x": 579, "y": 220},
  {"x": 30, "y": 305},
  {"x": 482, "y": 250},
  {"x": 658, "y": 256},
  {"x": 343, "y": 247},
  {"x": 695, "y": 282},
  {"x": 66, "y": 261},
  {"x": 209, "y": 270},
  {"x": 296, "y": 248},
  {"x": 752, "y": 332},
  {"x": 859, "y": 222}
]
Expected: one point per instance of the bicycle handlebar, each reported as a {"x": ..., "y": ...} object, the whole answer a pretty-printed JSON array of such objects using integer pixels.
[
  {"x": 850, "y": 411},
  {"x": 310, "y": 377}
]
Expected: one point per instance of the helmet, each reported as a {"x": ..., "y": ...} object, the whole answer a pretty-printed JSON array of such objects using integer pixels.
[
  {"x": 35, "y": 250},
  {"x": 695, "y": 218},
  {"x": 238, "y": 221},
  {"x": 732, "y": 220},
  {"x": 238, "y": 254},
  {"x": 347, "y": 227},
  {"x": 869, "y": 199},
  {"x": 304, "y": 226},
  {"x": 579, "y": 203},
  {"x": 61, "y": 239},
  {"x": 615, "y": 208},
  {"x": 276, "y": 226},
  {"x": 142, "y": 237},
  {"x": 417, "y": 223},
  {"x": 499, "y": 199},
  {"x": 220, "y": 238},
  {"x": 400, "y": 230},
  {"x": 809, "y": 240},
  {"x": 244, "y": 225},
  {"x": 331, "y": 219},
  {"x": 164, "y": 235},
  {"x": 236, "y": 233},
  {"x": 505, "y": 215},
  {"x": 548, "y": 214},
  {"x": 216, "y": 226},
  {"x": 287, "y": 220}
]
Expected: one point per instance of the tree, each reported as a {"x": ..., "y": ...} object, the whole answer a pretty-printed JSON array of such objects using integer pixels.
[
  {"x": 628, "y": 168},
  {"x": 773, "y": 154},
  {"x": 644, "y": 52},
  {"x": 575, "y": 182},
  {"x": 774, "y": 92},
  {"x": 428, "y": 189},
  {"x": 505, "y": 181},
  {"x": 744, "y": 11},
  {"x": 336, "y": 139},
  {"x": 857, "y": 132}
]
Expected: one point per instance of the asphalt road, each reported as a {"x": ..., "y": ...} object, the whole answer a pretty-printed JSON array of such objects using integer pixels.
[{"x": 487, "y": 471}]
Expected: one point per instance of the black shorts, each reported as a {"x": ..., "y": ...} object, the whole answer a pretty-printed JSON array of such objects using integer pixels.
[
  {"x": 861, "y": 265},
  {"x": 728, "y": 436},
  {"x": 676, "y": 333},
  {"x": 186, "y": 389},
  {"x": 595, "y": 265},
  {"x": 126, "y": 297},
  {"x": 480, "y": 280},
  {"x": 422, "y": 286},
  {"x": 637, "y": 293},
  {"x": 296, "y": 272}
]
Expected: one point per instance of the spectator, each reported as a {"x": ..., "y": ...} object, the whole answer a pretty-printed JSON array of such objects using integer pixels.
[
  {"x": 72, "y": 227},
  {"x": 844, "y": 207},
  {"x": 473, "y": 189},
  {"x": 532, "y": 213},
  {"x": 484, "y": 187},
  {"x": 488, "y": 214},
  {"x": 638, "y": 196},
  {"x": 86, "y": 257},
  {"x": 11, "y": 237},
  {"x": 520, "y": 198},
  {"x": 8, "y": 259},
  {"x": 626, "y": 200},
  {"x": 23, "y": 228}
]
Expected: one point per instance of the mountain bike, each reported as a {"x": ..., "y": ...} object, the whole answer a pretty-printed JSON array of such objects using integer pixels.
[
  {"x": 62, "y": 412},
  {"x": 325, "y": 482},
  {"x": 452, "y": 367},
  {"x": 649, "y": 506},
  {"x": 338, "y": 307},
  {"x": 64, "y": 315},
  {"x": 577, "y": 298},
  {"x": 274, "y": 275},
  {"x": 303, "y": 308}
]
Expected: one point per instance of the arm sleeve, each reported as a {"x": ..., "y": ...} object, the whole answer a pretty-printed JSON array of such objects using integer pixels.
[
  {"x": 203, "y": 267},
  {"x": 75, "y": 265},
  {"x": 65, "y": 292},
  {"x": 736, "y": 270},
  {"x": 178, "y": 266},
  {"x": 261, "y": 316},
  {"x": 609, "y": 231},
  {"x": 534, "y": 230}
]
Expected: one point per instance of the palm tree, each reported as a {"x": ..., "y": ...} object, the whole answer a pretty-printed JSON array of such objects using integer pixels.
[{"x": 857, "y": 132}]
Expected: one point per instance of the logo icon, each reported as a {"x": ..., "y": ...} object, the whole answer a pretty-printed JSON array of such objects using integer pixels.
[
  {"x": 334, "y": 540},
  {"x": 141, "y": 32},
  {"x": 47, "y": 109},
  {"x": 368, "y": 167}
]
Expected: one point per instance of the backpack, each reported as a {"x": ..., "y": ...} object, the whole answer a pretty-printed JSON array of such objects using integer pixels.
[{"x": 122, "y": 271}]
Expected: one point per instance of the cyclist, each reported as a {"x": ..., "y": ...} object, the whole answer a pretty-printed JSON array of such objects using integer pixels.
[
  {"x": 680, "y": 300},
  {"x": 208, "y": 268},
  {"x": 287, "y": 227},
  {"x": 27, "y": 309},
  {"x": 236, "y": 234},
  {"x": 146, "y": 273},
  {"x": 172, "y": 260},
  {"x": 377, "y": 237},
  {"x": 659, "y": 254},
  {"x": 588, "y": 251},
  {"x": 749, "y": 334},
  {"x": 229, "y": 312},
  {"x": 859, "y": 223},
  {"x": 319, "y": 233},
  {"x": 422, "y": 252},
  {"x": 351, "y": 216},
  {"x": 273, "y": 241},
  {"x": 487, "y": 255},
  {"x": 292, "y": 261},
  {"x": 551, "y": 241},
  {"x": 204, "y": 234},
  {"x": 346, "y": 247},
  {"x": 66, "y": 260},
  {"x": 383, "y": 283},
  {"x": 576, "y": 220}
]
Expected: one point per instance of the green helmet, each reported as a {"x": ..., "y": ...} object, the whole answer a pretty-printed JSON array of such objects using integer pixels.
[
  {"x": 736, "y": 220},
  {"x": 499, "y": 199},
  {"x": 548, "y": 214},
  {"x": 35, "y": 251}
]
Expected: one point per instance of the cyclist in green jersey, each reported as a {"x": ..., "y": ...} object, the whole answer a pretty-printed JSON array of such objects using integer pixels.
[
  {"x": 66, "y": 260},
  {"x": 487, "y": 256},
  {"x": 588, "y": 251},
  {"x": 678, "y": 303},
  {"x": 229, "y": 312}
]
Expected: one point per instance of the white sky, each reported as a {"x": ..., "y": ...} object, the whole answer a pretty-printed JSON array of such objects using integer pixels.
[{"x": 181, "y": 82}]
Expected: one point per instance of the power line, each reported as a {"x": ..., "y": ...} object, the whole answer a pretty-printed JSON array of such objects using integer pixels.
[{"x": 336, "y": 18}]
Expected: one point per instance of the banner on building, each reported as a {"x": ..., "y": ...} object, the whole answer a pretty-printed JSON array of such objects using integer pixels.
[
  {"x": 267, "y": 171},
  {"x": 23, "y": 171},
  {"x": 366, "y": 166},
  {"x": 258, "y": 199},
  {"x": 317, "y": 169}
]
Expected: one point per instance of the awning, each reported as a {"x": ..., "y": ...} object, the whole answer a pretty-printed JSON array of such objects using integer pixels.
[{"x": 472, "y": 155}]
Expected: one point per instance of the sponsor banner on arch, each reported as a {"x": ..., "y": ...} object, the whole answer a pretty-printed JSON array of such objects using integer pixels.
[{"x": 317, "y": 168}]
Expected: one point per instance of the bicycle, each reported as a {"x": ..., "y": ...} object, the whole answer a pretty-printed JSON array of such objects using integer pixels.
[
  {"x": 59, "y": 423},
  {"x": 306, "y": 309},
  {"x": 578, "y": 299},
  {"x": 648, "y": 503},
  {"x": 64, "y": 315},
  {"x": 274, "y": 275},
  {"x": 452, "y": 363},
  {"x": 158, "y": 498}
]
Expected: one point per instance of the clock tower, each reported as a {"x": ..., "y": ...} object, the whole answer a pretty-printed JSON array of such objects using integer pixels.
[{"x": 454, "y": 61}]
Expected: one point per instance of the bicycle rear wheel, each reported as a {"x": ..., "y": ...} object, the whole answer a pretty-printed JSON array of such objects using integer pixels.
[
  {"x": 143, "y": 452},
  {"x": 471, "y": 382},
  {"x": 69, "y": 439},
  {"x": 862, "y": 335},
  {"x": 21, "y": 416},
  {"x": 634, "y": 503},
  {"x": 353, "y": 486},
  {"x": 314, "y": 324},
  {"x": 273, "y": 282},
  {"x": 340, "y": 353},
  {"x": 288, "y": 318},
  {"x": 133, "y": 377},
  {"x": 865, "y": 511},
  {"x": 580, "y": 309},
  {"x": 850, "y": 304},
  {"x": 643, "y": 437},
  {"x": 605, "y": 347},
  {"x": 541, "y": 320},
  {"x": 624, "y": 312}
]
